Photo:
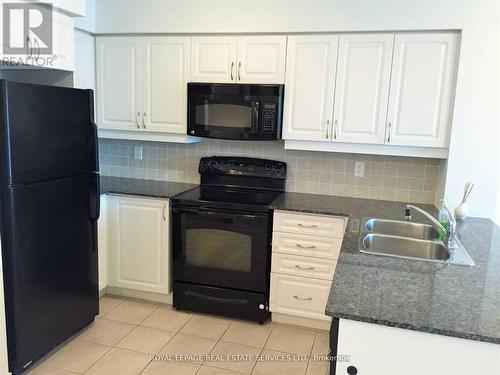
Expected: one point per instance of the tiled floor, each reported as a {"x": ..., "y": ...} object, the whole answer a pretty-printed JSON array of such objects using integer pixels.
[{"x": 127, "y": 333}]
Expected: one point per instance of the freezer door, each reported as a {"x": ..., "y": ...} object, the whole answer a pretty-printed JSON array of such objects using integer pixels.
[
  {"x": 49, "y": 249},
  {"x": 46, "y": 132}
]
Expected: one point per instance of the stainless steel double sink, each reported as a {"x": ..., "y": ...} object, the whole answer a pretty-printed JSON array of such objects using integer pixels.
[{"x": 410, "y": 240}]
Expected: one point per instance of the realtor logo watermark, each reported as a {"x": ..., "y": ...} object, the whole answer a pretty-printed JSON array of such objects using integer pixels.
[{"x": 28, "y": 34}]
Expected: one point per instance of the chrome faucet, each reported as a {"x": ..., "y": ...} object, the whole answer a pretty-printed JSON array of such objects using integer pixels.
[{"x": 450, "y": 232}]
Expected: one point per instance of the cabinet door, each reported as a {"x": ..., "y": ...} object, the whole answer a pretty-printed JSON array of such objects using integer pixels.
[
  {"x": 119, "y": 84},
  {"x": 362, "y": 87},
  {"x": 84, "y": 74},
  {"x": 139, "y": 244},
  {"x": 213, "y": 59},
  {"x": 309, "y": 82},
  {"x": 165, "y": 77},
  {"x": 422, "y": 89},
  {"x": 261, "y": 59}
]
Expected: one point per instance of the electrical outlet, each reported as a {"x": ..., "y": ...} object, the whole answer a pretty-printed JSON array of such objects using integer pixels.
[
  {"x": 359, "y": 169},
  {"x": 138, "y": 152}
]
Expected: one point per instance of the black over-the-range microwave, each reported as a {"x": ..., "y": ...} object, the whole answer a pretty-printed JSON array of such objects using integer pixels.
[{"x": 235, "y": 111}]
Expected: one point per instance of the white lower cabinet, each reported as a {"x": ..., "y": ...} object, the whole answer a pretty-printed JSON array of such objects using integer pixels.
[
  {"x": 305, "y": 252},
  {"x": 380, "y": 350},
  {"x": 138, "y": 244}
]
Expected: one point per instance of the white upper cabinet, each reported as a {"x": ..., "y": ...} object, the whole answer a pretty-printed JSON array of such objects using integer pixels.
[
  {"x": 246, "y": 59},
  {"x": 213, "y": 59},
  {"x": 119, "y": 75},
  {"x": 309, "y": 82},
  {"x": 142, "y": 84},
  {"x": 165, "y": 77},
  {"x": 362, "y": 88},
  {"x": 261, "y": 59},
  {"x": 422, "y": 87}
]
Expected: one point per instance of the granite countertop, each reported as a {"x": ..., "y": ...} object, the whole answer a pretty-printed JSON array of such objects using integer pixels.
[
  {"x": 145, "y": 188},
  {"x": 449, "y": 300}
]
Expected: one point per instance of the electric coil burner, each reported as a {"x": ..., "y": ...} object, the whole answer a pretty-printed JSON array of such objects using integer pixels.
[{"x": 222, "y": 237}]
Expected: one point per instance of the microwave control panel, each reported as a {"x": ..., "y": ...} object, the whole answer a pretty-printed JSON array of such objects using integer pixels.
[{"x": 269, "y": 117}]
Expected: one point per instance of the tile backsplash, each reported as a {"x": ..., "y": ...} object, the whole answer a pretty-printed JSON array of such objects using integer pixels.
[{"x": 386, "y": 177}]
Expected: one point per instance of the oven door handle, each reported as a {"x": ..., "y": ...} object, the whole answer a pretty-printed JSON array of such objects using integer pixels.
[
  {"x": 234, "y": 301},
  {"x": 205, "y": 212}
]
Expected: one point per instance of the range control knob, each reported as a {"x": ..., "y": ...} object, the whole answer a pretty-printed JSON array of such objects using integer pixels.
[{"x": 262, "y": 307}]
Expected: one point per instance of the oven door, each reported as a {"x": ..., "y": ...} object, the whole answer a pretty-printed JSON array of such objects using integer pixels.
[{"x": 222, "y": 248}]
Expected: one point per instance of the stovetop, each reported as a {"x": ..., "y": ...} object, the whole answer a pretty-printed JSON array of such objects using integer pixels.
[{"x": 228, "y": 197}]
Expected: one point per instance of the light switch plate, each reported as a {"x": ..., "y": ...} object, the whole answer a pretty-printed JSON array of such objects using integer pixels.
[
  {"x": 359, "y": 169},
  {"x": 138, "y": 152}
]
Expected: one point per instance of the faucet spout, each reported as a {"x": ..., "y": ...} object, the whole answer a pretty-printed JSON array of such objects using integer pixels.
[{"x": 436, "y": 223}]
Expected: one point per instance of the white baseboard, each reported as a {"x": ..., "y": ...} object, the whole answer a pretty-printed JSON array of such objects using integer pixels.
[
  {"x": 300, "y": 321},
  {"x": 138, "y": 294}
]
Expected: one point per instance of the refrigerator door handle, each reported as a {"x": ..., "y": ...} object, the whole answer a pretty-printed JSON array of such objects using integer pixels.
[{"x": 95, "y": 199}]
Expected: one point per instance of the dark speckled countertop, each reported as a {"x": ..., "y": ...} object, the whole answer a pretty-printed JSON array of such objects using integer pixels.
[
  {"x": 145, "y": 188},
  {"x": 450, "y": 300}
]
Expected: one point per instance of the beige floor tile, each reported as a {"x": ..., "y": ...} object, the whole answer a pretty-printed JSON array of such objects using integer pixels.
[
  {"x": 317, "y": 368},
  {"x": 106, "y": 332},
  {"x": 207, "y": 370},
  {"x": 206, "y": 326},
  {"x": 167, "y": 318},
  {"x": 174, "y": 368},
  {"x": 119, "y": 361},
  {"x": 321, "y": 343},
  {"x": 279, "y": 367},
  {"x": 106, "y": 304},
  {"x": 291, "y": 340},
  {"x": 131, "y": 312},
  {"x": 233, "y": 351},
  {"x": 146, "y": 340},
  {"x": 77, "y": 356},
  {"x": 188, "y": 345},
  {"x": 48, "y": 370},
  {"x": 252, "y": 334}
]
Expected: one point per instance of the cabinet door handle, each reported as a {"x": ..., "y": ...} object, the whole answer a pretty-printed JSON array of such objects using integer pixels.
[
  {"x": 335, "y": 129},
  {"x": 389, "y": 126},
  {"x": 232, "y": 69},
  {"x": 137, "y": 120},
  {"x": 305, "y": 247},
  {"x": 303, "y": 299},
  {"x": 327, "y": 126},
  {"x": 239, "y": 71},
  {"x": 144, "y": 120},
  {"x": 304, "y": 268},
  {"x": 164, "y": 212},
  {"x": 307, "y": 226}
]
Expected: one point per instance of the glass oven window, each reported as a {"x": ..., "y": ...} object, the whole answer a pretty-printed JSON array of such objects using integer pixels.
[
  {"x": 219, "y": 249},
  {"x": 224, "y": 115}
]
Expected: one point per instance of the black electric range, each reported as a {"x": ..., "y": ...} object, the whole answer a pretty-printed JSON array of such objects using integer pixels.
[{"x": 222, "y": 237}]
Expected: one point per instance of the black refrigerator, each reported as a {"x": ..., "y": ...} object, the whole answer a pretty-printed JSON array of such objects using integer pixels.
[{"x": 49, "y": 186}]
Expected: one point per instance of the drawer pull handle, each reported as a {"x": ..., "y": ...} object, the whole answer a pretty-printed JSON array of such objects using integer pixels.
[
  {"x": 303, "y": 299},
  {"x": 304, "y": 268},
  {"x": 307, "y": 226},
  {"x": 305, "y": 247}
]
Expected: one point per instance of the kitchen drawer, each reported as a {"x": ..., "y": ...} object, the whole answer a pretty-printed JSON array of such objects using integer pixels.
[
  {"x": 299, "y": 296},
  {"x": 317, "y": 225},
  {"x": 299, "y": 244},
  {"x": 303, "y": 266}
]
